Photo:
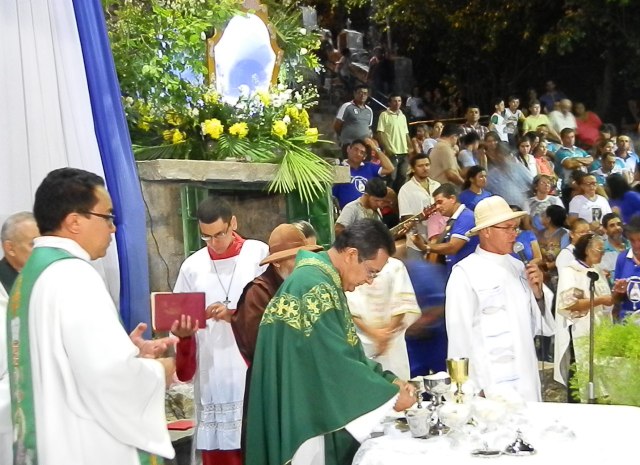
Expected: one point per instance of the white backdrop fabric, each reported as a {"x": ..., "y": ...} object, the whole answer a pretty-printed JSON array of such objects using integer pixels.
[{"x": 45, "y": 112}]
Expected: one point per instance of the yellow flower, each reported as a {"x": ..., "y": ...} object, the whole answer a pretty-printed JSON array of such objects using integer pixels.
[
  {"x": 178, "y": 136},
  {"x": 212, "y": 128},
  {"x": 239, "y": 129},
  {"x": 174, "y": 119},
  {"x": 293, "y": 113},
  {"x": 311, "y": 135},
  {"x": 279, "y": 129},
  {"x": 211, "y": 96},
  {"x": 264, "y": 97},
  {"x": 174, "y": 135},
  {"x": 304, "y": 118},
  {"x": 144, "y": 125}
]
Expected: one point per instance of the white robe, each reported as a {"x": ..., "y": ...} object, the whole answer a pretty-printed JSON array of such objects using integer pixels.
[
  {"x": 390, "y": 294},
  {"x": 492, "y": 317},
  {"x": 221, "y": 370},
  {"x": 6, "y": 436},
  {"x": 573, "y": 283},
  {"x": 95, "y": 400}
]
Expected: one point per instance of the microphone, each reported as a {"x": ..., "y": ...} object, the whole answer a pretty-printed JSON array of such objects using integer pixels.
[
  {"x": 518, "y": 249},
  {"x": 592, "y": 275}
]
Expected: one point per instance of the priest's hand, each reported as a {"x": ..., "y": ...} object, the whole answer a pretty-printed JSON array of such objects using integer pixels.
[
  {"x": 406, "y": 397},
  {"x": 169, "y": 365},
  {"x": 183, "y": 328},
  {"x": 148, "y": 348},
  {"x": 535, "y": 278},
  {"x": 219, "y": 311}
]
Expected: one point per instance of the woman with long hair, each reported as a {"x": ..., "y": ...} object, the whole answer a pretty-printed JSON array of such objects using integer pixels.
[
  {"x": 523, "y": 155},
  {"x": 474, "y": 187}
]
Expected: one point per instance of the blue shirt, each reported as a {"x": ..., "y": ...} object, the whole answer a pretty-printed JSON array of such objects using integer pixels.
[
  {"x": 346, "y": 193},
  {"x": 470, "y": 199},
  {"x": 525, "y": 238},
  {"x": 629, "y": 205},
  {"x": 562, "y": 154},
  {"x": 461, "y": 225},
  {"x": 626, "y": 268}
]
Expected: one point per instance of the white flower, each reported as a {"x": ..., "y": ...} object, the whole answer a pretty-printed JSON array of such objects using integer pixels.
[
  {"x": 299, "y": 106},
  {"x": 303, "y": 51},
  {"x": 203, "y": 36},
  {"x": 302, "y": 31},
  {"x": 286, "y": 119}
]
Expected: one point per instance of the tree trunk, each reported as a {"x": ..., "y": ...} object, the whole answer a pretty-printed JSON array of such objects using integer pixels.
[{"x": 604, "y": 94}]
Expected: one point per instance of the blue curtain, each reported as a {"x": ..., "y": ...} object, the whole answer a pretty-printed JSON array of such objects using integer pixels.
[{"x": 119, "y": 166}]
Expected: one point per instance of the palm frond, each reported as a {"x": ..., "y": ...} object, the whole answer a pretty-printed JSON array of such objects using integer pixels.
[{"x": 146, "y": 153}]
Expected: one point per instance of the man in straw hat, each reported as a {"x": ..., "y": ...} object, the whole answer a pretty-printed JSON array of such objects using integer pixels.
[
  {"x": 284, "y": 243},
  {"x": 495, "y": 305}
]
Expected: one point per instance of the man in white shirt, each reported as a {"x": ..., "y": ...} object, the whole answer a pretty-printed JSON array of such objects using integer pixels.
[
  {"x": 414, "y": 197},
  {"x": 495, "y": 305},
  {"x": 83, "y": 391},
  {"x": 563, "y": 118}
]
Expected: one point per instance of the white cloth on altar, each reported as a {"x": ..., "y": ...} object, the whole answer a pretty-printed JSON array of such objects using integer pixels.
[
  {"x": 390, "y": 294},
  {"x": 573, "y": 283},
  {"x": 6, "y": 434},
  {"x": 95, "y": 400},
  {"x": 46, "y": 111},
  {"x": 311, "y": 452},
  {"x": 492, "y": 317},
  {"x": 221, "y": 370}
]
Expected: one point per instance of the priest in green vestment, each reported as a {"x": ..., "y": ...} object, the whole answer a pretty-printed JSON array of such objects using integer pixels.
[{"x": 314, "y": 394}]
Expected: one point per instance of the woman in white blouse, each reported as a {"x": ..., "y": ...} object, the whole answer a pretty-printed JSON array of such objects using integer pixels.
[{"x": 573, "y": 304}]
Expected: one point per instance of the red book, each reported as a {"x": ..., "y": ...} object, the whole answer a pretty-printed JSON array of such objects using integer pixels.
[
  {"x": 181, "y": 425},
  {"x": 167, "y": 307}
]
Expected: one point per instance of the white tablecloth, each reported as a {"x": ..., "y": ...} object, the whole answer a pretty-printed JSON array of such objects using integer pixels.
[{"x": 602, "y": 432}]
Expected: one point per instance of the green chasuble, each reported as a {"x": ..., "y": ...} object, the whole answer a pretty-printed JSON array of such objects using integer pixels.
[{"x": 310, "y": 376}]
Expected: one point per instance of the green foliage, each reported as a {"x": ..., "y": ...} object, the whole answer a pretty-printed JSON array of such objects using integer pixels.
[
  {"x": 159, "y": 50},
  {"x": 617, "y": 363}
]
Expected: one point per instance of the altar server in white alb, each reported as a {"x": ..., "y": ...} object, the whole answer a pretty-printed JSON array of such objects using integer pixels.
[
  {"x": 382, "y": 311},
  {"x": 495, "y": 306},
  {"x": 221, "y": 270},
  {"x": 82, "y": 390}
]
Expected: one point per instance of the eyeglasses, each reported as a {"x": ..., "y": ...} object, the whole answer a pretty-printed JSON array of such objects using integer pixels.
[
  {"x": 370, "y": 273},
  {"x": 109, "y": 218},
  {"x": 217, "y": 236},
  {"x": 512, "y": 229},
  {"x": 590, "y": 183}
]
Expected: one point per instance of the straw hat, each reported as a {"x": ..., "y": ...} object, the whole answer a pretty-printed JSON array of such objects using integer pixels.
[
  {"x": 284, "y": 242},
  {"x": 491, "y": 211}
]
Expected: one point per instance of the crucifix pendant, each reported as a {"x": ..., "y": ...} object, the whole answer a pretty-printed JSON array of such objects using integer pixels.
[{"x": 226, "y": 302}]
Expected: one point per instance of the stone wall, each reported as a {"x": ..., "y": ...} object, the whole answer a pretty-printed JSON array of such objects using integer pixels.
[{"x": 241, "y": 184}]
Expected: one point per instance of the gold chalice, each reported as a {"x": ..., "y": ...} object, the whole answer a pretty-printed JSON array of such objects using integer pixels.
[{"x": 458, "y": 369}]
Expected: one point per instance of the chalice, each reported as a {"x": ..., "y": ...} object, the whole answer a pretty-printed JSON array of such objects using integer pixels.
[
  {"x": 419, "y": 385},
  {"x": 458, "y": 369},
  {"x": 437, "y": 385}
]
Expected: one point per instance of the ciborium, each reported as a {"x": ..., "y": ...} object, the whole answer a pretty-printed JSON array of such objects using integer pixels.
[{"x": 458, "y": 369}]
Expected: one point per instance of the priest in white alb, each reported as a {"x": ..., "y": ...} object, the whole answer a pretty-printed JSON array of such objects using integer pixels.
[
  {"x": 82, "y": 390},
  {"x": 221, "y": 270},
  {"x": 495, "y": 305}
]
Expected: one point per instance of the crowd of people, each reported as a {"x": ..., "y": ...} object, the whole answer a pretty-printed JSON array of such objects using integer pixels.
[{"x": 453, "y": 240}]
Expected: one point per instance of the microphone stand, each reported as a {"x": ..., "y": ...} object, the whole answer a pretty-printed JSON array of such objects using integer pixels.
[{"x": 592, "y": 290}]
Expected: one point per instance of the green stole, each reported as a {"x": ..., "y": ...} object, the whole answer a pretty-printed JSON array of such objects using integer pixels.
[
  {"x": 20, "y": 374},
  {"x": 310, "y": 376}
]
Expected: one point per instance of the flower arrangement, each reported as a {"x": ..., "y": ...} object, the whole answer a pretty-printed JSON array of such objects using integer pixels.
[
  {"x": 260, "y": 127},
  {"x": 158, "y": 48}
]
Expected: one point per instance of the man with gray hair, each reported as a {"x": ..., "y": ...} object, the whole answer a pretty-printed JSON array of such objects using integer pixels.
[{"x": 17, "y": 236}]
